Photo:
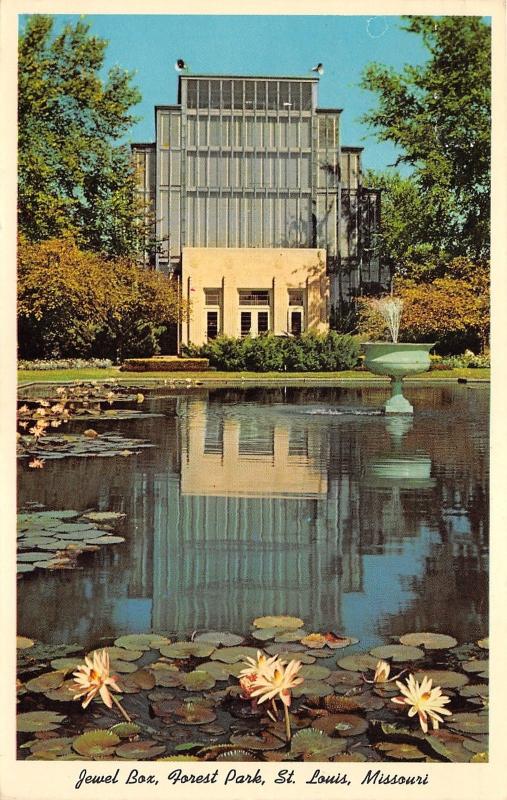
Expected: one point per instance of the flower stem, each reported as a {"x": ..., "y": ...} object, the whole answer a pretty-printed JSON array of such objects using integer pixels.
[
  {"x": 121, "y": 708},
  {"x": 287, "y": 722}
]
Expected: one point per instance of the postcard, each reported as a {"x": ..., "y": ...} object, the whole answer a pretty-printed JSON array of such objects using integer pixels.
[{"x": 255, "y": 471}]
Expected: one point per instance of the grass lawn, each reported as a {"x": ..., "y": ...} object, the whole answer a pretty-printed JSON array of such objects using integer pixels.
[{"x": 63, "y": 375}]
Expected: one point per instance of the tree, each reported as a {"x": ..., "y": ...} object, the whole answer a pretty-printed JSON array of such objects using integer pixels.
[
  {"x": 438, "y": 114},
  {"x": 79, "y": 303},
  {"x": 74, "y": 176},
  {"x": 451, "y": 309}
]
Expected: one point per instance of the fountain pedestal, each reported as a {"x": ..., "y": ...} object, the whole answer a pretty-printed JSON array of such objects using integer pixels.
[{"x": 397, "y": 360}]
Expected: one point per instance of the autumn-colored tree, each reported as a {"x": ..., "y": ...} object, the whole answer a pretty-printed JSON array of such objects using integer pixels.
[
  {"x": 79, "y": 303},
  {"x": 451, "y": 311}
]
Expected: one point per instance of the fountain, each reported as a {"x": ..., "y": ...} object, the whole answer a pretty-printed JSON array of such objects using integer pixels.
[{"x": 395, "y": 359}]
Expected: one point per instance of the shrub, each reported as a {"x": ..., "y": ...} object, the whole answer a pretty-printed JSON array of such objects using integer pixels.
[
  {"x": 74, "y": 303},
  {"x": 268, "y": 353}
]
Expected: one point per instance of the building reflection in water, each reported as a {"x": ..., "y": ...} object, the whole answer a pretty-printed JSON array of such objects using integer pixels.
[{"x": 249, "y": 508}]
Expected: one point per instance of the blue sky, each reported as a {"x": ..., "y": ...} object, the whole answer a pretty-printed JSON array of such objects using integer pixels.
[{"x": 266, "y": 45}]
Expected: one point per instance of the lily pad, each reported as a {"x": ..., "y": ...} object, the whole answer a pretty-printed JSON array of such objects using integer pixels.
[
  {"x": 484, "y": 643},
  {"x": 480, "y": 758},
  {"x": 23, "y": 643},
  {"x": 32, "y": 721},
  {"x": 96, "y": 744},
  {"x": 140, "y": 641},
  {"x": 135, "y": 751},
  {"x": 263, "y": 634},
  {"x": 123, "y": 667},
  {"x": 54, "y": 747},
  {"x": 316, "y": 688},
  {"x": 165, "y": 676},
  {"x": 475, "y": 690},
  {"x": 64, "y": 693},
  {"x": 401, "y": 751},
  {"x": 74, "y": 527},
  {"x": 103, "y": 516},
  {"x": 398, "y": 652},
  {"x": 108, "y": 539},
  {"x": 125, "y": 729},
  {"x": 119, "y": 653},
  {"x": 314, "y": 640},
  {"x": 182, "y": 650},
  {"x": 283, "y": 622},
  {"x": 257, "y": 741},
  {"x": 336, "y": 704},
  {"x": 231, "y": 655},
  {"x": 194, "y": 714},
  {"x": 341, "y": 724},
  {"x": 358, "y": 662},
  {"x": 468, "y": 723},
  {"x": 236, "y": 755},
  {"x": 285, "y": 654},
  {"x": 430, "y": 641},
  {"x": 345, "y": 678},
  {"x": 446, "y": 679},
  {"x": 135, "y": 681},
  {"x": 476, "y": 746},
  {"x": 476, "y": 665},
  {"x": 22, "y": 568},
  {"x": 220, "y": 672},
  {"x": 290, "y": 636},
  {"x": 314, "y": 672},
  {"x": 198, "y": 680},
  {"x": 315, "y": 745},
  {"x": 369, "y": 702},
  {"x": 224, "y": 638},
  {"x": 48, "y": 680}
]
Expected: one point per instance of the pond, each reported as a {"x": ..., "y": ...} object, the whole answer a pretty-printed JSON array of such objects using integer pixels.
[{"x": 259, "y": 501}]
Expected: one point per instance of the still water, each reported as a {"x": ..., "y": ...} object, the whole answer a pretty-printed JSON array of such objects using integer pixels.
[{"x": 277, "y": 501}]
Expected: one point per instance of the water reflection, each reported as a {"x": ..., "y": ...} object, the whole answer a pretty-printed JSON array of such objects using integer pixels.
[{"x": 266, "y": 501}]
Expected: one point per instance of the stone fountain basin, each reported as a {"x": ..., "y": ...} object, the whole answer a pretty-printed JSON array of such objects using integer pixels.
[{"x": 397, "y": 359}]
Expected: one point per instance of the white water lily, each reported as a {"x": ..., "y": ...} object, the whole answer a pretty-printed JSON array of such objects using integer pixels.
[{"x": 423, "y": 700}]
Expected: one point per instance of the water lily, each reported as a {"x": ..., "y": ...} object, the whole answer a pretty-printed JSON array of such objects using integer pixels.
[
  {"x": 255, "y": 667},
  {"x": 93, "y": 678},
  {"x": 38, "y": 429},
  {"x": 36, "y": 463},
  {"x": 276, "y": 682},
  {"x": 382, "y": 672},
  {"x": 423, "y": 701}
]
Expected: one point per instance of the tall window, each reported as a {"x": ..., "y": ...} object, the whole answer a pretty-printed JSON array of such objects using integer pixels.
[
  {"x": 246, "y": 323},
  {"x": 296, "y": 322},
  {"x": 262, "y": 322},
  {"x": 212, "y": 324}
]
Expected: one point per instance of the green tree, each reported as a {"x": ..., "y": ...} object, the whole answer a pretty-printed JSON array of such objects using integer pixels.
[
  {"x": 74, "y": 175},
  {"x": 438, "y": 114}
]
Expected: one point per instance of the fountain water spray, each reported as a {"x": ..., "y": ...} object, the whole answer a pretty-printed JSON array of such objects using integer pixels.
[{"x": 390, "y": 309}]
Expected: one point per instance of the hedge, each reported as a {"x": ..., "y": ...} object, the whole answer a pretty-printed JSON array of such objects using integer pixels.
[{"x": 331, "y": 352}]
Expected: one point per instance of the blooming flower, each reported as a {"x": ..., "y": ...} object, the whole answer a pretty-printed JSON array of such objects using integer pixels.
[
  {"x": 382, "y": 671},
  {"x": 277, "y": 681},
  {"x": 93, "y": 678},
  {"x": 36, "y": 463},
  {"x": 423, "y": 701},
  {"x": 255, "y": 667}
]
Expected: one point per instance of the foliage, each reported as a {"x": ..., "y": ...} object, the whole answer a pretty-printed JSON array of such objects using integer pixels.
[
  {"x": 453, "y": 311},
  {"x": 73, "y": 303},
  {"x": 467, "y": 360},
  {"x": 73, "y": 174},
  {"x": 268, "y": 353},
  {"x": 438, "y": 114}
]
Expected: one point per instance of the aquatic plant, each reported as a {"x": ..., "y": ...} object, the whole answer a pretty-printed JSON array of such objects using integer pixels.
[
  {"x": 93, "y": 678},
  {"x": 382, "y": 672},
  {"x": 276, "y": 682},
  {"x": 423, "y": 701}
]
